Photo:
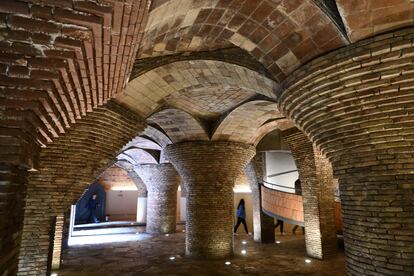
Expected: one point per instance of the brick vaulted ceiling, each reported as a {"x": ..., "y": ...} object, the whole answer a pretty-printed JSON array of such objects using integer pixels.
[{"x": 61, "y": 59}]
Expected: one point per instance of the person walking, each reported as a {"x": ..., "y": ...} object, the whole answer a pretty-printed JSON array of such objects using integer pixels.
[
  {"x": 279, "y": 223},
  {"x": 241, "y": 216},
  {"x": 92, "y": 206}
]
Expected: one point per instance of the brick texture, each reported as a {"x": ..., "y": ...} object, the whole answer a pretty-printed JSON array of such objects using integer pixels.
[
  {"x": 66, "y": 168},
  {"x": 58, "y": 242},
  {"x": 59, "y": 60},
  {"x": 233, "y": 55},
  {"x": 13, "y": 180},
  {"x": 283, "y": 205},
  {"x": 282, "y": 35},
  {"x": 209, "y": 171},
  {"x": 356, "y": 105},
  {"x": 262, "y": 223},
  {"x": 162, "y": 182},
  {"x": 364, "y": 18},
  {"x": 179, "y": 125},
  {"x": 205, "y": 88},
  {"x": 315, "y": 174}
]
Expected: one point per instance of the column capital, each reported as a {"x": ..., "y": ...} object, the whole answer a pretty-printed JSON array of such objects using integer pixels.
[
  {"x": 212, "y": 159},
  {"x": 158, "y": 176}
]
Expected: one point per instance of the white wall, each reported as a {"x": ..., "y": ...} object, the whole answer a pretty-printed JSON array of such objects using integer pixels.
[
  {"x": 281, "y": 161},
  {"x": 121, "y": 205}
]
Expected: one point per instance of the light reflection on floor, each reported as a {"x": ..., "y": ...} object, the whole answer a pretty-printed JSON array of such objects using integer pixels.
[
  {"x": 108, "y": 235},
  {"x": 161, "y": 255}
]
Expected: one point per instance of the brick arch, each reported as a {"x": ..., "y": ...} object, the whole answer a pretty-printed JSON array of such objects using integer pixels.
[
  {"x": 241, "y": 125},
  {"x": 121, "y": 178},
  {"x": 366, "y": 18},
  {"x": 281, "y": 124},
  {"x": 280, "y": 34},
  {"x": 61, "y": 60},
  {"x": 129, "y": 168},
  {"x": 356, "y": 105},
  {"x": 143, "y": 143},
  {"x": 157, "y": 136},
  {"x": 138, "y": 156},
  {"x": 171, "y": 84},
  {"x": 179, "y": 125},
  {"x": 66, "y": 168}
]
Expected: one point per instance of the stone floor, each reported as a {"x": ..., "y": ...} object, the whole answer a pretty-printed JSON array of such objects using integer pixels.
[{"x": 150, "y": 255}]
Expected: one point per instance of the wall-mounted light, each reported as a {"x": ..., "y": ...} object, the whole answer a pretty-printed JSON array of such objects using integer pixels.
[
  {"x": 172, "y": 258},
  {"x": 308, "y": 261},
  {"x": 244, "y": 242},
  {"x": 277, "y": 242},
  {"x": 244, "y": 252},
  {"x": 227, "y": 263}
]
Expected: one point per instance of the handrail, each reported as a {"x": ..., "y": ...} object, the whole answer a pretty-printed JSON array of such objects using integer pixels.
[
  {"x": 282, "y": 173},
  {"x": 277, "y": 185},
  {"x": 297, "y": 191}
]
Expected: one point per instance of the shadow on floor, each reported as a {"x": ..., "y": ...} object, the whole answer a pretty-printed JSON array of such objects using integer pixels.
[{"x": 164, "y": 255}]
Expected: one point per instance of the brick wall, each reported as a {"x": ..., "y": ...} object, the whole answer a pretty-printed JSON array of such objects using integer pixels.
[
  {"x": 315, "y": 174},
  {"x": 58, "y": 61},
  {"x": 66, "y": 168},
  {"x": 282, "y": 35},
  {"x": 57, "y": 241},
  {"x": 209, "y": 171},
  {"x": 356, "y": 105},
  {"x": 285, "y": 205},
  {"x": 13, "y": 180},
  {"x": 162, "y": 182}
]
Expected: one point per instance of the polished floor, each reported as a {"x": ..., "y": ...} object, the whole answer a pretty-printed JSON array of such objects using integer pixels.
[{"x": 164, "y": 255}]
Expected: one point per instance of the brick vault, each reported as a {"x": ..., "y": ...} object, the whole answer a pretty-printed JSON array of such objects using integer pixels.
[{"x": 163, "y": 87}]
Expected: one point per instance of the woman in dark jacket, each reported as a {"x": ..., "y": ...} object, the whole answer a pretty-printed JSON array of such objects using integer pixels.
[{"x": 241, "y": 216}]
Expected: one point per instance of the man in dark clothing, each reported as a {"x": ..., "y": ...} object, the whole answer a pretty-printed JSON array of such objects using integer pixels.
[
  {"x": 92, "y": 206},
  {"x": 298, "y": 187}
]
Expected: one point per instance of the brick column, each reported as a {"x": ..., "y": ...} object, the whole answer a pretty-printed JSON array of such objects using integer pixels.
[
  {"x": 209, "y": 170},
  {"x": 12, "y": 189},
  {"x": 162, "y": 182},
  {"x": 66, "y": 168},
  {"x": 263, "y": 225},
  {"x": 315, "y": 173},
  {"x": 356, "y": 105},
  {"x": 58, "y": 241}
]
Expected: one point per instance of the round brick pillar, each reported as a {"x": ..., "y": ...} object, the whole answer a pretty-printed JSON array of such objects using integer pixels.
[
  {"x": 356, "y": 105},
  {"x": 162, "y": 182},
  {"x": 209, "y": 170}
]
